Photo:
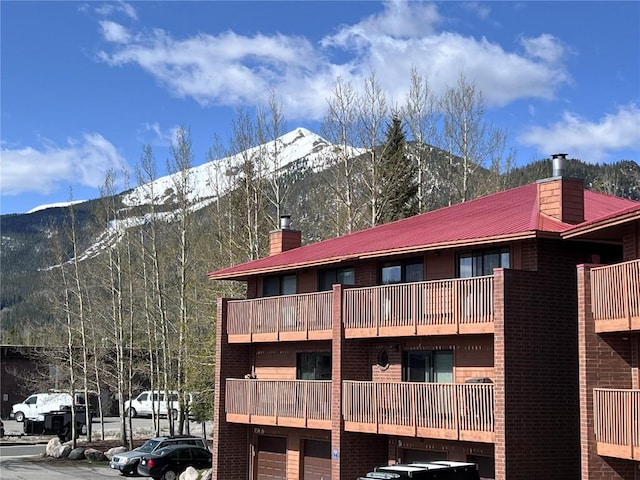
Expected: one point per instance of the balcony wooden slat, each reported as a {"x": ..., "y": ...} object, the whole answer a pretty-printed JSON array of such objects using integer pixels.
[
  {"x": 282, "y": 318},
  {"x": 290, "y": 403},
  {"x": 617, "y": 422},
  {"x": 615, "y": 297},
  {"x": 441, "y": 307},
  {"x": 427, "y": 410}
]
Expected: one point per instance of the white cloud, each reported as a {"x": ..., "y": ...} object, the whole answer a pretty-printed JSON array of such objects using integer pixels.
[
  {"x": 81, "y": 162},
  {"x": 114, "y": 32},
  {"x": 588, "y": 140},
  {"x": 545, "y": 47},
  {"x": 111, "y": 8},
  {"x": 235, "y": 70}
]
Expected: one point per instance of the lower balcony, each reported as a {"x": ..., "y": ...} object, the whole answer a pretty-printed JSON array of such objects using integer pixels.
[
  {"x": 615, "y": 297},
  {"x": 285, "y": 403},
  {"x": 427, "y": 410},
  {"x": 617, "y": 422}
]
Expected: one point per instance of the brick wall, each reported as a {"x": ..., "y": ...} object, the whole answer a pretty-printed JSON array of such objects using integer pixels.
[
  {"x": 230, "y": 440},
  {"x": 536, "y": 371},
  {"x": 605, "y": 361},
  {"x": 277, "y": 361}
]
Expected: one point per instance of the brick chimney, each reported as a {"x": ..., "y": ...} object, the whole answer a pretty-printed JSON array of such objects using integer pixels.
[
  {"x": 284, "y": 239},
  {"x": 560, "y": 197}
]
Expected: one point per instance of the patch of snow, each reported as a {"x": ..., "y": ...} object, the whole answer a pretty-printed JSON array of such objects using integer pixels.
[{"x": 54, "y": 205}]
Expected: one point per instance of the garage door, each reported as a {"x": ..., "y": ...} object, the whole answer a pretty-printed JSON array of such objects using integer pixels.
[
  {"x": 410, "y": 456},
  {"x": 271, "y": 458},
  {"x": 316, "y": 460}
]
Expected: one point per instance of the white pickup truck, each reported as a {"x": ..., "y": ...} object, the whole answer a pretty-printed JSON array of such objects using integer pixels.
[
  {"x": 147, "y": 402},
  {"x": 40, "y": 403}
]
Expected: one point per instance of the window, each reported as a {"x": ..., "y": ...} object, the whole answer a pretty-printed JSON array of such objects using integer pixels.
[
  {"x": 427, "y": 366},
  {"x": 313, "y": 366},
  {"x": 482, "y": 262},
  {"x": 327, "y": 278},
  {"x": 401, "y": 272},
  {"x": 279, "y": 285}
]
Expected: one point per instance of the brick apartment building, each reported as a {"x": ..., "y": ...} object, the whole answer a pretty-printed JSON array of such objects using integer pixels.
[{"x": 454, "y": 334}]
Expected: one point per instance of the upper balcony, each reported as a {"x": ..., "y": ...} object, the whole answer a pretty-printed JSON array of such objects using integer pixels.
[
  {"x": 615, "y": 297},
  {"x": 617, "y": 422},
  {"x": 289, "y": 317},
  {"x": 426, "y": 410},
  {"x": 441, "y": 307}
]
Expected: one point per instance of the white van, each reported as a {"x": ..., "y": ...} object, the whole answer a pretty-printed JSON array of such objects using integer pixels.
[
  {"x": 143, "y": 404},
  {"x": 38, "y": 404}
]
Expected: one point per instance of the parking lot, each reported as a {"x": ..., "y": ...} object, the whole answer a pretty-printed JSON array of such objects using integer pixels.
[
  {"x": 21, "y": 456},
  {"x": 142, "y": 428}
]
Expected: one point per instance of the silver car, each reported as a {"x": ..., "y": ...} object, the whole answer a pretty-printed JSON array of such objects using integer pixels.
[{"x": 127, "y": 462}]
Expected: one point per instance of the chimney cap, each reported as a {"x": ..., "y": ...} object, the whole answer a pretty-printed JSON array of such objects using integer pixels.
[
  {"x": 285, "y": 221},
  {"x": 558, "y": 164}
]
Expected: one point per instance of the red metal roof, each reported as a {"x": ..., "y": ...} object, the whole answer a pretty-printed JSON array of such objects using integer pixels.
[{"x": 505, "y": 215}]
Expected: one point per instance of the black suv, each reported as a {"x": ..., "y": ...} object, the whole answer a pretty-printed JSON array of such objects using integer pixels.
[
  {"x": 127, "y": 462},
  {"x": 169, "y": 462}
]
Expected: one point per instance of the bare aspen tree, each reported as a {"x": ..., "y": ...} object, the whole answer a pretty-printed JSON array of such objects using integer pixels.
[
  {"x": 271, "y": 124},
  {"x": 470, "y": 140},
  {"x": 420, "y": 114},
  {"x": 115, "y": 288},
  {"x": 78, "y": 292},
  {"x": 180, "y": 167},
  {"x": 373, "y": 112},
  {"x": 249, "y": 179},
  {"x": 339, "y": 128},
  {"x": 157, "y": 321}
]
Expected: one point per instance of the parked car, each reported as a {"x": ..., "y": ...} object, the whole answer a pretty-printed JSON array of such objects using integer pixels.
[
  {"x": 1, "y": 428},
  {"x": 36, "y": 405},
  {"x": 127, "y": 462},
  {"x": 438, "y": 470},
  {"x": 169, "y": 462},
  {"x": 144, "y": 404}
]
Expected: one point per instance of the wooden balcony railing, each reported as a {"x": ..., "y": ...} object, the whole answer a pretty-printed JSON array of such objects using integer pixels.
[
  {"x": 289, "y": 403},
  {"x": 615, "y": 297},
  {"x": 289, "y": 317},
  {"x": 617, "y": 422},
  {"x": 422, "y": 308},
  {"x": 428, "y": 410}
]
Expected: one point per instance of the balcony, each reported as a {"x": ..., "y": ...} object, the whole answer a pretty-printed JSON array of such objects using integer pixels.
[
  {"x": 288, "y": 317},
  {"x": 617, "y": 422},
  {"x": 615, "y": 297},
  {"x": 426, "y": 410},
  {"x": 442, "y": 307},
  {"x": 286, "y": 403}
]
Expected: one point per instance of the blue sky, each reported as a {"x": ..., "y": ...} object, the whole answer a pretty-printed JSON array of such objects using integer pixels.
[{"x": 84, "y": 85}]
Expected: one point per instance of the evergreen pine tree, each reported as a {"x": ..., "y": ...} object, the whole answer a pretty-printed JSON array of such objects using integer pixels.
[{"x": 398, "y": 185}]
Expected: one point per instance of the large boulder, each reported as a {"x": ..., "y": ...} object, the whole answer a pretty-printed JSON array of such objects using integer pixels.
[
  {"x": 52, "y": 446},
  {"x": 114, "y": 451},
  {"x": 62, "y": 451},
  {"x": 94, "y": 455},
  {"x": 76, "y": 453},
  {"x": 189, "y": 474},
  {"x": 206, "y": 475}
]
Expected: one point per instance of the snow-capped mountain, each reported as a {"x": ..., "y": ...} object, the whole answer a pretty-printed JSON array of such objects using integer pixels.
[{"x": 211, "y": 179}]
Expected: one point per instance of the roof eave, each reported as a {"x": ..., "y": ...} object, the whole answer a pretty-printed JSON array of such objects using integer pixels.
[
  {"x": 599, "y": 225},
  {"x": 244, "y": 274}
]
